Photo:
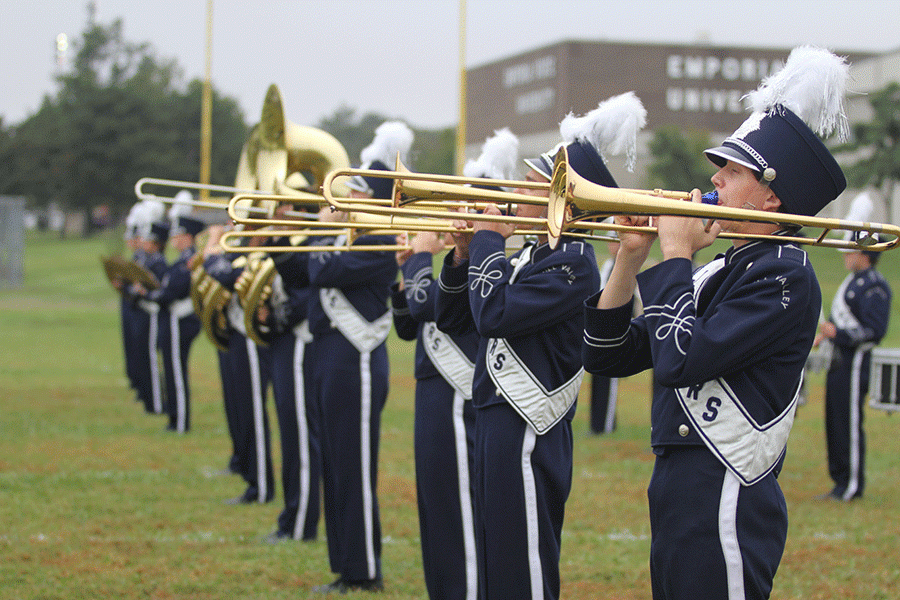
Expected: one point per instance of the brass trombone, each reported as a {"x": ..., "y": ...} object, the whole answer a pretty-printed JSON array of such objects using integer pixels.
[
  {"x": 576, "y": 203},
  {"x": 358, "y": 223},
  {"x": 295, "y": 196}
]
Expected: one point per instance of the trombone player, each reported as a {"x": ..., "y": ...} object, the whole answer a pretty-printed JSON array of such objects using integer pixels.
[
  {"x": 527, "y": 313},
  {"x": 728, "y": 342}
]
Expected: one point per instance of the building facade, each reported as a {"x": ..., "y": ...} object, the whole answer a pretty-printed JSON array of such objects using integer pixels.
[{"x": 692, "y": 87}]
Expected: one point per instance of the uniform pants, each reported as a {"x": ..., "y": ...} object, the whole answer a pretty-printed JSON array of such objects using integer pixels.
[
  {"x": 846, "y": 386},
  {"x": 711, "y": 537},
  {"x": 149, "y": 378},
  {"x": 444, "y": 437},
  {"x": 230, "y": 410},
  {"x": 126, "y": 311},
  {"x": 175, "y": 344},
  {"x": 249, "y": 380},
  {"x": 522, "y": 483},
  {"x": 351, "y": 389},
  {"x": 604, "y": 394},
  {"x": 298, "y": 425}
]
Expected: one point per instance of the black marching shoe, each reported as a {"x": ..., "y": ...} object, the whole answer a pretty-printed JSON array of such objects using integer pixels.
[
  {"x": 247, "y": 497},
  {"x": 343, "y": 586}
]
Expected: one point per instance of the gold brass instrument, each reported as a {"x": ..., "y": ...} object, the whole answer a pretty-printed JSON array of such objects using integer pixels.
[
  {"x": 358, "y": 223},
  {"x": 254, "y": 289},
  {"x": 210, "y": 299},
  {"x": 299, "y": 197},
  {"x": 576, "y": 202},
  {"x": 128, "y": 271}
]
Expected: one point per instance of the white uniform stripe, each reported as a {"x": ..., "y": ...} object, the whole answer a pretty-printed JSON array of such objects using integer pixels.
[
  {"x": 365, "y": 359},
  {"x": 302, "y": 438},
  {"x": 154, "y": 364},
  {"x": 180, "y": 392},
  {"x": 610, "y": 422},
  {"x": 731, "y": 550},
  {"x": 465, "y": 496},
  {"x": 855, "y": 416},
  {"x": 256, "y": 384},
  {"x": 531, "y": 516}
]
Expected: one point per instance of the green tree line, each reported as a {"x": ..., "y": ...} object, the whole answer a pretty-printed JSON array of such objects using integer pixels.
[{"x": 120, "y": 114}]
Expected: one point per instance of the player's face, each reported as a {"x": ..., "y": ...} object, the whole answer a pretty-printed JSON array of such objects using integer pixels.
[
  {"x": 738, "y": 187},
  {"x": 533, "y": 210}
]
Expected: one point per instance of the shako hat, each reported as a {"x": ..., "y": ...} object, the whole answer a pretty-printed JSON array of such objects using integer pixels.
[
  {"x": 780, "y": 140},
  {"x": 159, "y": 232},
  {"x": 609, "y": 129},
  {"x": 392, "y": 139}
]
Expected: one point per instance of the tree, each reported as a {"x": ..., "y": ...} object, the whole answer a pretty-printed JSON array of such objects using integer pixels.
[
  {"x": 677, "y": 160},
  {"x": 118, "y": 116},
  {"x": 878, "y": 142}
]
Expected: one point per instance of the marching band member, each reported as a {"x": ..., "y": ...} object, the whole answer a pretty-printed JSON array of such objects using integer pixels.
[
  {"x": 127, "y": 309},
  {"x": 604, "y": 390},
  {"x": 727, "y": 343},
  {"x": 154, "y": 232},
  {"x": 527, "y": 313},
  {"x": 174, "y": 302},
  {"x": 247, "y": 380},
  {"x": 858, "y": 320},
  {"x": 350, "y": 321},
  {"x": 444, "y": 430},
  {"x": 286, "y": 319}
]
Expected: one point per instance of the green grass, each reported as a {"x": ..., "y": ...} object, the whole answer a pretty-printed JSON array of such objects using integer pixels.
[{"x": 97, "y": 501}]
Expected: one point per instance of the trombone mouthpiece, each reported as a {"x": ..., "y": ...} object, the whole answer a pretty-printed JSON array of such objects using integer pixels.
[{"x": 710, "y": 198}]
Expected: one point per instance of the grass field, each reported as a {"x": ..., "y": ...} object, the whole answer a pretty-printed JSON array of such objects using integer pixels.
[{"x": 98, "y": 501}]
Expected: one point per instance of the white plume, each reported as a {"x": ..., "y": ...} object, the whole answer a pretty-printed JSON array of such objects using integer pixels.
[
  {"x": 134, "y": 215},
  {"x": 155, "y": 211},
  {"x": 498, "y": 159},
  {"x": 861, "y": 208},
  {"x": 391, "y": 138},
  {"x": 180, "y": 206},
  {"x": 812, "y": 84},
  {"x": 611, "y": 128}
]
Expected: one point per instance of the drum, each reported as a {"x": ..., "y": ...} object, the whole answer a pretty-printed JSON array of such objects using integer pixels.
[{"x": 884, "y": 387}]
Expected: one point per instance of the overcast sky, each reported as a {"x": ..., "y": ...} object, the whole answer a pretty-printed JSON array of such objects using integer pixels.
[{"x": 401, "y": 58}]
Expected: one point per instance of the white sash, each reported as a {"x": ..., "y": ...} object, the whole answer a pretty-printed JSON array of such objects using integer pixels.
[
  {"x": 182, "y": 307},
  {"x": 452, "y": 363},
  {"x": 236, "y": 314},
  {"x": 542, "y": 409},
  {"x": 364, "y": 335},
  {"x": 747, "y": 449},
  {"x": 301, "y": 331},
  {"x": 841, "y": 315}
]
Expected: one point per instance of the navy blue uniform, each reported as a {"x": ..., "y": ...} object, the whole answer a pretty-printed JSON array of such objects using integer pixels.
[
  {"x": 146, "y": 334},
  {"x": 245, "y": 405},
  {"x": 176, "y": 337},
  {"x": 444, "y": 435},
  {"x": 128, "y": 312},
  {"x": 604, "y": 390},
  {"x": 297, "y": 414},
  {"x": 860, "y": 314},
  {"x": 349, "y": 321},
  {"x": 527, "y": 312},
  {"x": 728, "y": 348}
]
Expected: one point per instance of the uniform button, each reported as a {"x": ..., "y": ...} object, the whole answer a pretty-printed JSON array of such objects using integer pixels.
[
  {"x": 498, "y": 392},
  {"x": 683, "y": 430},
  {"x": 333, "y": 325}
]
